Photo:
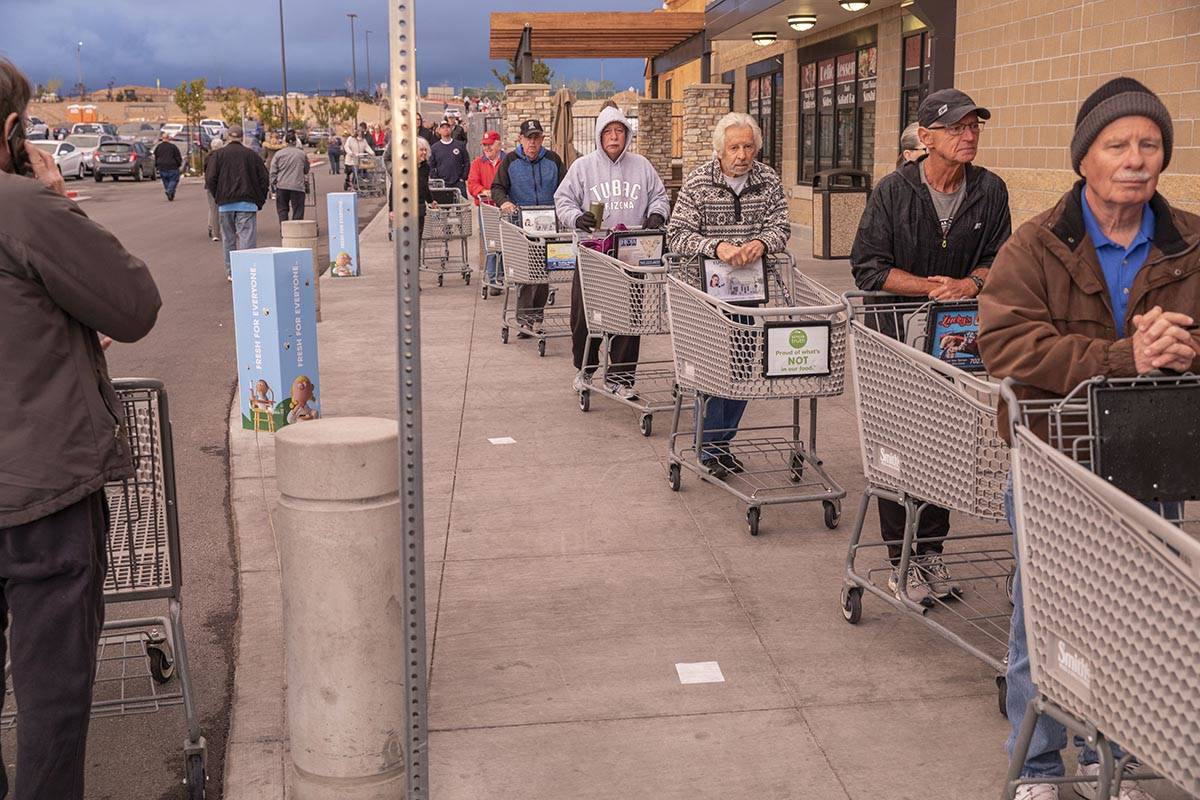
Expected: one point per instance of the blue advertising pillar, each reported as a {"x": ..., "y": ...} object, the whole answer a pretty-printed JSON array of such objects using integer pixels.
[
  {"x": 343, "y": 234},
  {"x": 275, "y": 321}
]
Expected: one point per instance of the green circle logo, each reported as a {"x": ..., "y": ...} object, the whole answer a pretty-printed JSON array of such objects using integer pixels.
[{"x": 798, "y": 339}]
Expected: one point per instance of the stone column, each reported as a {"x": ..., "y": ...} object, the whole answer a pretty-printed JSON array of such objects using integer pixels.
[
  {"x": 524, "y": 101},
  {"x": 342, "y": 567},
  {"x": 303, "y": 233},
  {"x": 703, "y": 105},
  {"x": 654, "y": 134}
]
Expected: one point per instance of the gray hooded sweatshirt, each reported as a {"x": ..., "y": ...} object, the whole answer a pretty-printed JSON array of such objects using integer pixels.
[{"x": 629, "y": 187}]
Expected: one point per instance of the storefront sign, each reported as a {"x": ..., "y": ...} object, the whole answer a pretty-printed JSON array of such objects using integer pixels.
[
  {"x": 825, "y": 73},
  {"x": 808, "y": 101},
  {"x": 827, "y": 98},
  {"x": 792, "y": 350}
]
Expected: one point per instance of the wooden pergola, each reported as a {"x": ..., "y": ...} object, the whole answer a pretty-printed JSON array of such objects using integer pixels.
[{"x": 524, "y": 36}]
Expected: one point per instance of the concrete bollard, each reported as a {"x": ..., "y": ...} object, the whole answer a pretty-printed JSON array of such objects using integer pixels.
[
  {"x": 338, "y": 522},
  {"x": 303, "y": 233}
]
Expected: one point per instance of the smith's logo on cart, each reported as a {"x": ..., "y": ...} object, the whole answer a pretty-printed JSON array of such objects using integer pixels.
[
  {"x": 1072, "y": 667},
  {"x": 889, "y": 461}
]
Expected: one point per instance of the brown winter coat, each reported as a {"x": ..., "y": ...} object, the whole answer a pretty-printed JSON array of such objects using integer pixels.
[{"x": 1046, "y": 319}]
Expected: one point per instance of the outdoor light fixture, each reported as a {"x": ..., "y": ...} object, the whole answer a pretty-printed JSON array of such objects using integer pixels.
[
  {"x": 854, "y": 5},
  {"x": 763, "y": 38},
  {"x": 802, "y": 22}
]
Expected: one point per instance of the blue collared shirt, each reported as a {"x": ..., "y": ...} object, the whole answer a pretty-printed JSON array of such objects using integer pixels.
[{"x": 1119, "y": 263}]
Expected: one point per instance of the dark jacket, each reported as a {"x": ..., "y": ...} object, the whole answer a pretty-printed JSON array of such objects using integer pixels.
[
  {"x": 62, "y": 279},
  {"x": 236, "y": 174},
  {"x": 1045, "y": 314},
  {"x": 528, "y": 183},
  {"x": 167, "y": 157},
  {"x": 335, "y": 146},
  {"x": 900, "y": 228},
  {"x": 459, "y": 132},
  {"x": 450, "y": 162}
]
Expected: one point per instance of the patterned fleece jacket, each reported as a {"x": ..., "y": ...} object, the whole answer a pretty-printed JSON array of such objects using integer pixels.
[{"x": 707, "y": 212}]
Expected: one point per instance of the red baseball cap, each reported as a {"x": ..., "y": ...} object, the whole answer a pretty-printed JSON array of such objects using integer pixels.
[{"x": 491, "y": 136}]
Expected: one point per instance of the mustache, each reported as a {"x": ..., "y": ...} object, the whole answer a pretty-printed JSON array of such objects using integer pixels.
[{"x": 1140, "y": 176}]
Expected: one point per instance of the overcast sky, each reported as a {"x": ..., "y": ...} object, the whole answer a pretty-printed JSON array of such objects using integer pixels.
[{"x": 235, "y": 42}]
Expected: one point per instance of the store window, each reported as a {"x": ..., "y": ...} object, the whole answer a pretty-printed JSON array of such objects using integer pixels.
[
  {"x": 837, "y": 112},
  {"x": 764, "y": 102},
  {"x": 825, "y": 80},
  {"x": 808, "y": 122},
  {"x": 914, "y": 85}
]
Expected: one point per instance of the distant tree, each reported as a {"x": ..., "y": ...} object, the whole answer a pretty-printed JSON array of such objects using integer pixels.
[
  {"x": 322, "y": 111},
  {"x": 53, "y": 85},
  {"x": 235, "y": 106},
  {"x": 269, "y": 112},
  {"x": 541, "y": 73},
  {"x": 189, "y": 96}
]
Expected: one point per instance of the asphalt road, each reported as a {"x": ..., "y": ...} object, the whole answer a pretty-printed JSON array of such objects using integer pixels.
[{"x": 191, "y": 349}]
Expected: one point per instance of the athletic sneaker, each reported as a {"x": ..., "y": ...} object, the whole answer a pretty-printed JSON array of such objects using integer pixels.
[
  {"x": 731, "y": 462},
  {"x": 938, "y": 575},
  {"x": 494, "y": 292},
  {"x": 1129, "y": 789},
  {"x": 620, "y": 389},
  {"x": 918, "y": 589},
  {"x": 582, "y": 383},
  {"x": 1037, "y": 791}
]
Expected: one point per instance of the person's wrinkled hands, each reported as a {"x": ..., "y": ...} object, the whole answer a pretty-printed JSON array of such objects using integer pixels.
[
  {"x": 586, "y": 221},
  {"x": 45, "y": 170},
  {"x": 729, "y": 253},
  {"x": 752, "y": 251},
  {"x": 952, "y": 288},
  {"x": 509, "y": 207},
  {"x": 1162, "y": 341}
]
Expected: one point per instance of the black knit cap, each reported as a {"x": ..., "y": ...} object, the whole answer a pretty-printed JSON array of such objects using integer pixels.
[{"x": 1120, "y": 97}]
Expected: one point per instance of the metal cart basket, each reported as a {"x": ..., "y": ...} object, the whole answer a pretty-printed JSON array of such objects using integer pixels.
[
  {"x": 928, "y": 435},
  {"x": 444, "y": 240},
  {"x": 489, "y": 230},
  {"x": 719, "y": 352},
  {"x": 623, "y": 300},
  {"x": 1111, "y": 595},
  {"x": 370, "y": 179},
  {"x": 142, "y": 663},
  {"x": 525, "y": 265}
]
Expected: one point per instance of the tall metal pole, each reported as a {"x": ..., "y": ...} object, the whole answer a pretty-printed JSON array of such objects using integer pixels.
[
  {"x": 79, "y": 70},
  {"x": 402, "y": 83},
  {"x": 353, "y": 56},
  {"x": 370, "y": 86},
  {"x": 283, "y": 64}
]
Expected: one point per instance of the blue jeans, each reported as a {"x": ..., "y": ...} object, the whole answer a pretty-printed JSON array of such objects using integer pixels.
[
  {"x": 335, "y": 163},
  {"x": 721, "y": 420},
  {"x": 170, "y": 181},
  {"x": 495, "y": 271},
  {"x": 239, "y": 231}
]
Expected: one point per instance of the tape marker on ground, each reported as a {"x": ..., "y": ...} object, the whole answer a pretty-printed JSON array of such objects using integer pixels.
[
  {"x": 700, "y": 672},
  {"x": 502, "y": 440}
]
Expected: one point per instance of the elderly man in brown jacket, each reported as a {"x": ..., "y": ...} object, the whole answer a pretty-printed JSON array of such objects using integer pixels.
[{"x": 1105, "y": 283}]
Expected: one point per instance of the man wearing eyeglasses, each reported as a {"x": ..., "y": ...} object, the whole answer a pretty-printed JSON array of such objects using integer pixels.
[{"x": 931, "y": 230}]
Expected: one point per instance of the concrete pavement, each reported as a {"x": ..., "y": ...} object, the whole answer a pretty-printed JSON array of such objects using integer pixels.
[{"x": 567, "y": 583}]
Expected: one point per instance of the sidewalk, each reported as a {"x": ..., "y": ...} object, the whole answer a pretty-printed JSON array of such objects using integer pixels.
[{"x": 566, "y": 582}]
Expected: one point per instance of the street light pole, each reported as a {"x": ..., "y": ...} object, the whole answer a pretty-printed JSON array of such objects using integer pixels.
[
  {"x": 353, "y": 55},
  {"x": 370, "y": 86},
  {"x": 79, "y": 70},
  {"x": 283, "y": 64}
]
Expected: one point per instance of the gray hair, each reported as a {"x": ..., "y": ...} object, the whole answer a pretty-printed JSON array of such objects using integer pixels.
[
  {"x": 735, "y": 119},
  {"x": 908, "y": 137},
  {"x": 422, "y": 145}
]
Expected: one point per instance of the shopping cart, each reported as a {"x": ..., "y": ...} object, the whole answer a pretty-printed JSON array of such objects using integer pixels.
[
  {"x": 1111, "y": 589},
  {"x": 447, "y": 231},
  {"x": 142, "y": 662},
  {"x": 370, "y": 177},
  {"x": 720, "y": 351},
  {"x": 310, "y": 197},
  {"x": 929, "y": 438},
  {"x": 489, "y": 230},
  {"x": 623, "y": 300},
  {"x": 525, "y": 264}
]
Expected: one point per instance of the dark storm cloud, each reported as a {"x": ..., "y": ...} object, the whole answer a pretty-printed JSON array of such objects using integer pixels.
[{"x": 236, "y": 42}]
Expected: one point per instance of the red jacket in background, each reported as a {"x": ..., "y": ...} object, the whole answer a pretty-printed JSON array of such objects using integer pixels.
[{"x": 482, "y": 173}]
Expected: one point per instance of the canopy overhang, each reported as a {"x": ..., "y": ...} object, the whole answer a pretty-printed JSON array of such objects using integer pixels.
[{"x": 592, "y": 34}]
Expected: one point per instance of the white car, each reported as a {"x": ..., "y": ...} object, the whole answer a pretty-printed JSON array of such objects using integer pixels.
[
  {"x": 86, "y": 144},
  {"x": 172, "y": 129},
  {"x": 67, "y": 156},
  {"x": 37, "y": 129}
]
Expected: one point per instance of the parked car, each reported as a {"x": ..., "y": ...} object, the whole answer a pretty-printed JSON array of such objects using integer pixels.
[
  {"x": 86, "y": 144},
  {"x": 215, "y": 128},
  {"x": 101, "y": 128},
  {"x": 123, "y": 158},
  {"x": 318, "y": 136},
  {"x": 144, "y": 132},
  {"x": 60, "y": 132},
  {"x": 37, "y": 129},
  {"x": 67, "y": 156}
]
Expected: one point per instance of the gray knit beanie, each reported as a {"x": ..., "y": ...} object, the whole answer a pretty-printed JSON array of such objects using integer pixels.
[{"x": 1120, "y": 97}]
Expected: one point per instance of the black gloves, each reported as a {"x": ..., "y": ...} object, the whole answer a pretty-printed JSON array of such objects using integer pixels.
[
  {"x": 586, "y": 221},
  {"x": 655, "y": 221}
]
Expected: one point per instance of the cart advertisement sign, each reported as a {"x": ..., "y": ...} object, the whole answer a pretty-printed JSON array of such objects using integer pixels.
[
  {"x": 343, "y": 234},
  {"x": 952, "y": 336},
  {"x": 560, "y": 255},
  {"x": 796, "y": 350},
  {"x": 275, "y": 323},
  {"x": 745, "y": 285}
]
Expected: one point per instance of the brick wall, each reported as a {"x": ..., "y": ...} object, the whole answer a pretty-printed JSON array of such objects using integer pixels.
[
  {"x": 654, "y": 134},
  {"x": 1034, "y": 64},
  {"x": 703, "y": 105},
  {"x": 524, "y": 101}
]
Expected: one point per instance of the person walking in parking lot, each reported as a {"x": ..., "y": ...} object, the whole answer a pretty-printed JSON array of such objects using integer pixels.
[
  {"x": 168, "y": 162},
  {"x": 239, "y": 181},
  {"x": 214, "y": 216},
  {"x": 335, "y": 154},
  {"x": 288, "y": 169}
]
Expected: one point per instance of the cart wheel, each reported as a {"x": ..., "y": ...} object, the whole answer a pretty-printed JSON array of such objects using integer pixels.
[
  {"x": 1008, "y": 585},
  {"x": 440, "y": 280},
  {"x": 504, "y": 334},
  {"x": 483, "y": 290},
  {"x": 162, "y": 666},
  {"x": 753, "y": 514},
  {"x": 541, "y": 347},
  {"x": 585, "y": 400},
  {"x": 646, "y": 424},
  {"x": 1002, "y": 694},
  {"x": 196, "y": 777},
  {"x": 797, "y": 467},
  {"x": 550, "y": 298},
  {"x": 467, "y": 278},
  {"x": 833, "y": 513},
  {"x": 673, "y": 477},
  {"x": 852, "y": 604},
  {"x": 674, "y": 391}
]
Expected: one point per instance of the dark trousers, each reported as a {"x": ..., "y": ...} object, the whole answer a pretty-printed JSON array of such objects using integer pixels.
[
  {"x": 170, "y": 181},
  {"x": 289, "y": 198},
  {"x": 52, "y": 580},
  {"x": 935, "y": 521},
  {"x": 531, "y": 300},
  {"x": 622, "y": 351}
]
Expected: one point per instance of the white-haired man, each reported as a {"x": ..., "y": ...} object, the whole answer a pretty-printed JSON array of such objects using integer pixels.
[{"x": 732, "y": 208}]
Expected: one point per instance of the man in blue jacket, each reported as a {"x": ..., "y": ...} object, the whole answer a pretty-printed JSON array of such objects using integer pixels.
[{"x": 528, "y": 176}]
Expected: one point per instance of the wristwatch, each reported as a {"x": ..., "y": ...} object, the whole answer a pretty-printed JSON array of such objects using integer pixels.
[{"x": 978, "y": 281}]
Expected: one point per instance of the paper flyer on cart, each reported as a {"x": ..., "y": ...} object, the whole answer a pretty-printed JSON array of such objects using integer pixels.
[
  {"x": 796, "y": 349},
  {"x": 746, "y": 284},
  {"x": 560, "y": 255}
]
